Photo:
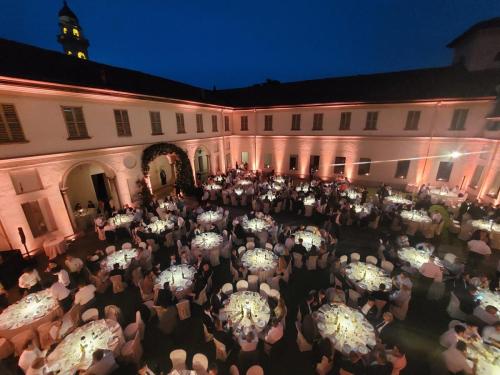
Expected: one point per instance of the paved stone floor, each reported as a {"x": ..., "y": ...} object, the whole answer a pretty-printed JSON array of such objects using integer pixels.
[{"x": 419, "y": 333}]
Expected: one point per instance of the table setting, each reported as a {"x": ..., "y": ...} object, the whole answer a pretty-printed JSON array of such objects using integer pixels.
[
  {"x": 302, "y": 187},
  {"x": 123, "y": 257},
  {"x": 208, "y": 244},
  {"x": 397, "y": 199},
  {"x": 215, "y": 187},
  {"x": 416, "y": 220},
  {"x": 269, "y": 195},
  {"x": 486, "y": 225},
  {"x": 180, "y": 278},
  {"x": 244, "y": 182},
  {"x": 309, "y": 200},
  {"x": 368, "y": 277},
  {"x": 168, "y": 206},
  {"x": 257, "y": 224},
  {"x": 416, "y": 257},
  {"x": 205, "y": 219},
  {"x": 488, "y": 357},
  {"x": 75, "y": 351},
  {"x": 308, "y": 239},
  {"x": 487, "y": 297},
  {"x": 160, "y": 226},
  {"x": 260, "y": 262},
  {"x": 29, "y": 312},
  {"x": 121, "y": 220},
  {"x": 245, "y": 310},
  {"x": 346, "y": 328},
  {"x": 351, "y": 194}
]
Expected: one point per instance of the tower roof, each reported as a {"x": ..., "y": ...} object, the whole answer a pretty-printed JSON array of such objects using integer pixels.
[
  {"x": 67, "y": 12},
  {"x": 487, "y": 24}
]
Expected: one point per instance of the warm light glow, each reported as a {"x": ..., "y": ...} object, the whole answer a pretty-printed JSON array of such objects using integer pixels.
[
  {"x": 65, "y": 30},
  {"x": 70, "y": 53},
  {"x": 455, "y": 154},
  {"x": 81, "y": 55},
  {"x": 76, "y": 33}
]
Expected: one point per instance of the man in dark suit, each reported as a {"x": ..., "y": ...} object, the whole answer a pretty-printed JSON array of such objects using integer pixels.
[
  {"x": 299, "y": 247},
  {"x": 207, "y": 318},
  {"x": 386, "y": 330},
  {"x": 165, "y": 297},
  {"x": 381, "y": 294},
  {"x": 306, "y": 307},
  {"x": 117, "y": 271}
]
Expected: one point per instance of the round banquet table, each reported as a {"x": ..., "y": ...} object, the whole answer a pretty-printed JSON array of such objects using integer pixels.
[
  {"x": 308, "y": 239},
  {"x": 309, "y": 201},
  {"x": 169, "y": 206},
  {"x": 362, "y": 210},
  {"x": 351, "y": 194},
  {"x": 416, "y": 257},
  {"x": 28, "y": 313},
  {"x": 121, "y": 220},
  {"x": 205, "y": 219},
  {"x": 449, "y": 198},
  {"x": 211, "y": 187},
  {"x": 304, "y": 188},
  {"x": 85, "y": 218},
  {"x": 486, "y": 225},
  {"x": 397, "y": 199},
  {"x": 182, "y": 372},
  {"x": 54, "y": 246},
  {"x": 123, "y": 257},
  {"x": 346, "y": 328},
  {"x": 488, "y": 358},
  {"x": 246, "y": 309},
  {"x": 257, "y": 224},
  {"x": 244, "y": 182},
  {"x": 208, "y": 244},
  {"x": 160, "y": 226},
  {"x": 487, "y": 297},
  {"x": 75, "y": 351},
  {"x": 368, "y": 277},
  {"x": 180, "y": 278},
  {"x": 260, "y": 262},
  {"x": 269, "y": 196},
  {"x": 416, "y": 219},
  {"x": 276, "y": 186}
]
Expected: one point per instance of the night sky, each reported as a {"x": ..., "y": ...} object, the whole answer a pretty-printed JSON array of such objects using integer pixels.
[{"x": 231, "y": 43}]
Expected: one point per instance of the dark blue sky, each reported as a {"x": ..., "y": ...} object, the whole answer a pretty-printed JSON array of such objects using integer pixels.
[{"x": 231, "y": 43}]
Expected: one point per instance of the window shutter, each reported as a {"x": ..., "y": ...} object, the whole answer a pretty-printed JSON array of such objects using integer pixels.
[
  {"x": 12, "y": 124},
  {"x": 80, "y": 122},
  {"x": 119, "y": 123}
]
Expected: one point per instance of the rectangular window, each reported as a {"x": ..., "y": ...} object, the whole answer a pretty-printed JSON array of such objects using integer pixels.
[
  {"x": 318, "y": 121},
  {"x": 339, "y": 167},
  {"x": 199, "y": 123},
  {"x": 155, "y": 123},
  {"x": 10, "y": 127},
  {"x": 313, "y": 163},
  {"x": 364, "y": 166},
  {"x": 444, "y": 171},
  {"x": 268, "y": 123},
  {"x": 412, "y": 120},
  {"x": 228, "y": 161},
  {"x": 493, "y": 125},
  {"x": 296, "y": 122},
  {"x": 244, "y": 123},
  {"x": 268, "y": 160},
  {"x": 458, "y": 119},
  {"x": 494, "y": 188},
  {"x": 122, "y": 123},
  {"x": 294, "y": 162},
  {"x": 244, "y": 157},
  {"x": 474, "y": 181},
  {"x": 215, "y": 128},
  {"x": 75, "y": 122},
  {"x": 179, "y": 118},
  {"x": 371, "y": 121},
  {"x": 226, "y": 123},
  {"x": 402, "y": 169},
  {"x": 345, "y": 121}
]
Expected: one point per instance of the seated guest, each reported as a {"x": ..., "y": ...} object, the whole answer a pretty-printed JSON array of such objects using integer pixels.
[
  {"x": 398, "y": 359},
  {"x": 165, "y": 298},
  {"x": 275, "y": 333},
  {"x": 468, "y": 301},
  {"x": 380, "y": 294},
  {"x": 117, "y": 271},
  {"x": 488, "y": 315},
  {"x": 61, "y": 273},
  {"x": 29, "y": 355},
  {"x": 386, "y": 329},
  {"x": 478, "y": 250},
  {"x": 221, "y": 335},
  {"x": 30, "y": 280},
  {"x": 74, "y": 265},
  {"x": 38, "y": 367},
  {"x": 403, "y": 279},
  {"x": 103, "y": 362},
  {"x": 248, "y": 342},
  {"x": 306, "y": 307},
  {"x": 455, "y": 359},
  {"x": 381, "y": 366},
  {"x": 491, "y": 334},
  {"x": 62, "y": 295},
  {"x": 452, "y": 336},
  {"x": 352, "y": 365},
  {"x": 430, "y": 272},
  {"x": 207, "y": 317}
]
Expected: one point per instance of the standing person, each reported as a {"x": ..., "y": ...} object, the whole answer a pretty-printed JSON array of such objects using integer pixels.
[{"x": 30, "y": 280}]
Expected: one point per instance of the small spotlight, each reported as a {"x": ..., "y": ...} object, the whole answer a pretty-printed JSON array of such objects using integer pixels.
[{"x": 455, "y": 154}]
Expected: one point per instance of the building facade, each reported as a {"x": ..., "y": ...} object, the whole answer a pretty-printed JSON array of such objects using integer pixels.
[{"x": 73, "y": 131}]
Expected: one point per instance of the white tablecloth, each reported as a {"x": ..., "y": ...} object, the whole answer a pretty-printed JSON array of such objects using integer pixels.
[
  {"x": 122, "y": 257},
  {"x": 368, "y": 277},
  {"x": 260, "y": 262},
  {"x": 308, "y": 239},
  {"x": 247, "y": 309},
  {"x": 208, "y": 244},
  {"x": 54, "y": 246},
  {"x": 180, "y": 278}
]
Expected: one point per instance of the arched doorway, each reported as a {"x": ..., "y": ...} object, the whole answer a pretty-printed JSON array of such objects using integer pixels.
[
  {"x": 162, "y": 175},
  {"x": 202, "y": 163},
  {"x": 182, "y": 173},
  {"x": 87, "y": 188}
]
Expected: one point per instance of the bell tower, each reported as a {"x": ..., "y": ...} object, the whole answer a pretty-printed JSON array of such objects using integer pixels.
[{"x": 71, "y": 34}]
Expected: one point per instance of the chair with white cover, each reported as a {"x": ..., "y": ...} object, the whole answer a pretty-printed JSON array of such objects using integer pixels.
[
  {"x": 90, "y": 315},
  {"x": 298, "y": 260},
  {"x": 127, "y": 245},
  {"x": 200, "y": 363},
  {"x": 454, "y": 227},
  {"x": 137, "y": 326},
  {"x": 343, "y": 259},
  {"x": 233, "y": 370},
  {"x": 253, "y": 283},
  {"x": 6, "y": 348},
  {"x": 453, "y": 308},
  {"x": 132, "y": 350},
  {"x": 184, "y": 309},
  {"x": 255, "y": 370},
  {"x": 221, "y": 353},
  {"x": 113, "y": 312},
  {"x": 466, "y": 230},
  {"x": 250, "y": 245},
  {"x": 227, "y": 289},
  {"x": 275, "y": 294},
  {"x": 110, "y": 249},
  {"x": 355, "y": 257},
  {"x": 202, "y": 297},
  {"x": 372, "y": 260},
  {"x": 169, "y": 239},
  {"x": 387, "y": 266},
  {"x": 353, "y": 298},
  {"x": 308, "y": 211},
  {"x": 118, "y": 284},
  {"x": 70, "y": 320},
  {"x": 178, "y": 358},
  {"x": 48, "y": 334},
  {"x": 302, "y": 343},
  {"x": 324, "y": 367},
  {"x": 241, "y": 250},
  {"x": 450, "y": 258},
  {"x": 312, "y": 262},
  {"x": 242, "y": 285},
  {"x": 264, "y": 290},
  {"x": 20, "y": 340}
]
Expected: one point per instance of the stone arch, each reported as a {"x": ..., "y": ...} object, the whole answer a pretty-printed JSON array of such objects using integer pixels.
[
  {"x": 108, "y": 171},
  {"x": 183, "y": 170}
]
